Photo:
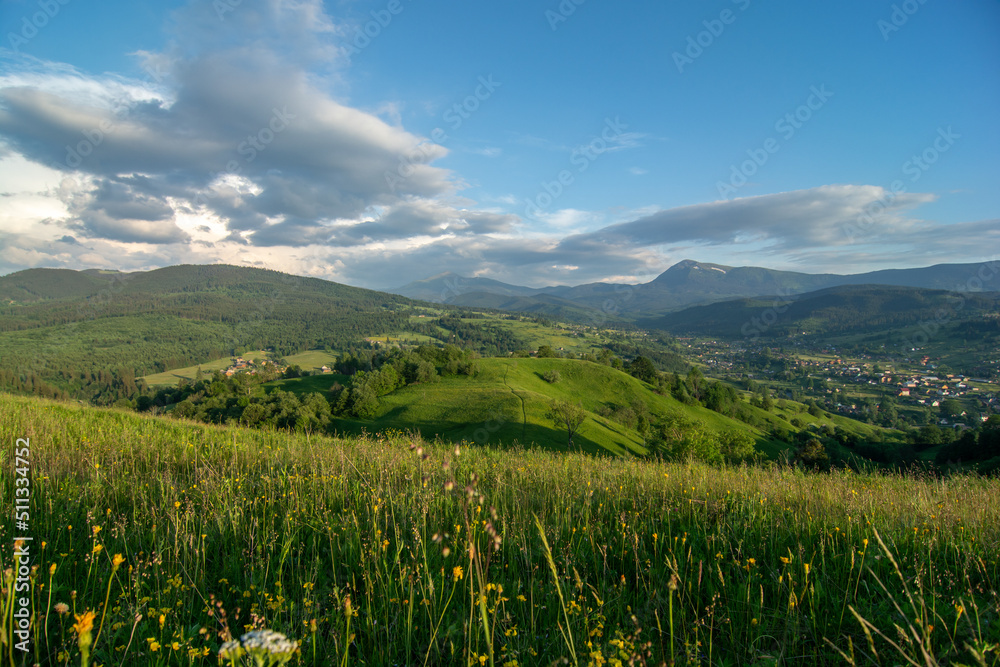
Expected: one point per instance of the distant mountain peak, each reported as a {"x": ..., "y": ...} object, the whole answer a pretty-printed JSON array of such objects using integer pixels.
[
  {"x": 684, "y": 264},
  {"x": 688, "y": 264},
  {"x": 441, "y": 276},
  {"x": 688, "y": 269}
]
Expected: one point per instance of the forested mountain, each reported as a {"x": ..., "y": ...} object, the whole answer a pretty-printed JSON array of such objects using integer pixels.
[
  {"x": 542, "y": 304},
  {"x": 445, "y": 286},
  {"x": 684, "y": 284},
  {"x": 91, "y": 333},
  {"x": 833, "y": 310}
]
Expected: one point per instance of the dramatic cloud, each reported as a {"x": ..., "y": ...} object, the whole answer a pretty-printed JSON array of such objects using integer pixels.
[
  {"x": 832, "y": 214},
  {"x": 244, "y": 134},
  {"x": 240, "y": 145}
]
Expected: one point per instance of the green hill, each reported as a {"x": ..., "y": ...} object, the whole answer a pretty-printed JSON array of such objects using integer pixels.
[
  {"x": 159, "y": 528},
  {"x": 89, "y": 335},
  {"x": 34, "y": 285},
  {"x": 508, "y": 401},
  {"x": 835, "y": 310}
]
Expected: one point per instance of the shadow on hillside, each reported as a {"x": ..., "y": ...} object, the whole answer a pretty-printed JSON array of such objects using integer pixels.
[{"x": 476, "y": 433}]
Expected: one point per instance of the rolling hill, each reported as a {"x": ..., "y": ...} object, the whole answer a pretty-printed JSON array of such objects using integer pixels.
[
  {"x": 508, "y": 401},
  {"x": 684, "y": 284},
  {"x": 834, "y": 310},
  {"x": 64, "y": 331}
]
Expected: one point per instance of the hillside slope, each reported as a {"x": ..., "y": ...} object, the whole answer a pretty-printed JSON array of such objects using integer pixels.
[
  {"x": 63, "y": 331},
  {"x": 689, "y": 283},
  {"x": 833, "y": 310},
  {"x": 508, "y": 402}
]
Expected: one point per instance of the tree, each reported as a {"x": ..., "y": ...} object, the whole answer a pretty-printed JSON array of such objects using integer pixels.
[
  {"x": 643, "y": 369},
  {"x": 695, "y": 380},
  {"x": 721, "y": 398},
  {"x": 678, "y": 438},
  {"x": 568, "y": 415},
  {"x": 737, "y": 445},
  {"x": 551, "y": 376},
  {"x": 813, "y": 455},
  {"x": 951, "y": 408}
]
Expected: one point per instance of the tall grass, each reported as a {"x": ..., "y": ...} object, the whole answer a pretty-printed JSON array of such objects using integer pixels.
[{"x": 386, "y": 550}]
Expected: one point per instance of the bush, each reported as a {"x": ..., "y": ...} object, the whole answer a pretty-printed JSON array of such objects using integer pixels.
[
  {"x": 551, "y": 376},
  {"x": 813, "y": 455}
]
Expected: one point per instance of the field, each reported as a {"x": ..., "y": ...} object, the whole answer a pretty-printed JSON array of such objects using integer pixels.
[
  {"x": 405, "y": 337},
  {"x": 508, "y": 401},
  {"x": 170, "y": 378},
  {"x": 389, "y": 550},
  {"x": 306, "y": 385},
  {"x": 312, "y": 360}
]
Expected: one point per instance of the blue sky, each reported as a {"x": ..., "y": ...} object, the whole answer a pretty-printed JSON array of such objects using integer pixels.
[{"x": 532, "y": 142}]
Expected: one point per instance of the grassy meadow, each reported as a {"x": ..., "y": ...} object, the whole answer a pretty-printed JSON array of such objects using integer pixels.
[
  {"x": 508, "y": 401},
  {"x": 312, "y": 360},
  {"x": 391, "y": 550}
]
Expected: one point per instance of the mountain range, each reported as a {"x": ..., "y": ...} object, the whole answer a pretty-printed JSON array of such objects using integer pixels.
[{"x": 684, "y": 284}]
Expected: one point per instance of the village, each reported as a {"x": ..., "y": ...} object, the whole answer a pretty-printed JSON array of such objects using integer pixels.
[{"x": 852, "y": 385}]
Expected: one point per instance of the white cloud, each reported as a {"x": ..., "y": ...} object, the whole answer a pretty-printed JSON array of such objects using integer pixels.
[{"x": 252, "y": 155}]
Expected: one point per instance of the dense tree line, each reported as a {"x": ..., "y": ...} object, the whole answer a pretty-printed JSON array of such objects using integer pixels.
[
  {"x": 388, "y": 371},
  {"x": 244, "y": 399},
  {"x": 489, "y": 340},
  {"x": 62, "y": 359},
  {"x": 662, "y": 358},
  {"x": 980, "y": 444}
]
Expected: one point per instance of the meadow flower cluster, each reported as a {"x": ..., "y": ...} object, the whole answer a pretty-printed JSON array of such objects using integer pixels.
[
  {"x": 263, "y": 647},
  {"x": 161, "y": 542}
]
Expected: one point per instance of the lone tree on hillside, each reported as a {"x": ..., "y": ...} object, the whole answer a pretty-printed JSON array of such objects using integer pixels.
[
  {"x": 643, "y": 369},
  {"x": 569, "y": 415}
]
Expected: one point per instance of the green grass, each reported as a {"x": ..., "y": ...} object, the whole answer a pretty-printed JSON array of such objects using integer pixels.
[
  {"x": 409, "y": 337},
  {"x": 170, "y": 378},
  {"x": 507, "y": 403},
  {"x": 307, "y": 385},
  {"x": 555, "y": 336},
  {"x": 312, "y": 360},
  {"x": 357, "y": 549}
]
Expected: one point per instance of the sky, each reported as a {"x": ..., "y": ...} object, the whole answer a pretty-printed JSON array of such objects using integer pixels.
[{"x": 539, "y": 142}]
